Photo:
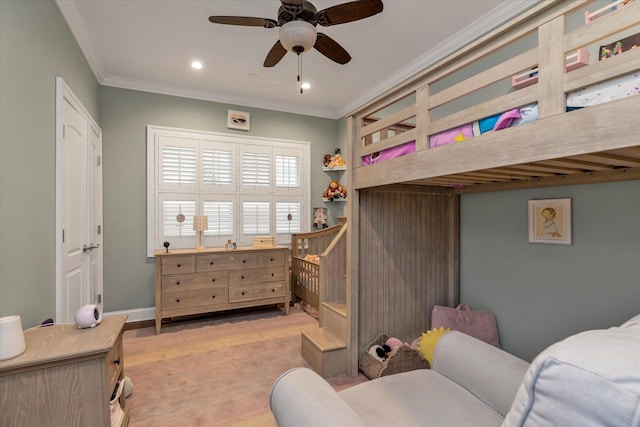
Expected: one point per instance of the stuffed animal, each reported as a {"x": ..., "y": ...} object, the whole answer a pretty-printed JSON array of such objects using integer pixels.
[
  {"x": 380, "y": 352},
  {"x": 333, "y": 191},
  {"x": 327, "y": 160},
  {"x": 319, "y": 219},
  {"x": 336, "y": 159}
]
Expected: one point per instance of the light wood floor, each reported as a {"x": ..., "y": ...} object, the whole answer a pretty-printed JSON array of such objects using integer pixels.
[{"x": 216, "y": 371}]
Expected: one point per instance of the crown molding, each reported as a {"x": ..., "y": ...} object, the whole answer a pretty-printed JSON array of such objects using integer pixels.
[
  {"x": 508, "y": 10},
  {"x": 164, "y": 89},
  {"x": 82, "y": 35}
]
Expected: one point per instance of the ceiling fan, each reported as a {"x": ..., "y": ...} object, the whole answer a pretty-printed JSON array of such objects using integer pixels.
[{"x": 298, "y": 19}]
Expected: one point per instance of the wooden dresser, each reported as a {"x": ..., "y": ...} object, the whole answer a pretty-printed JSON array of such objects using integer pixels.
[
  {"x": 190, "y": 281},
  {"x": 65, "y": 377}
]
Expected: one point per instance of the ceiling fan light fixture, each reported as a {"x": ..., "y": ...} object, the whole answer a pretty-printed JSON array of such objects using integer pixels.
[{"x": 298, "y": 36}]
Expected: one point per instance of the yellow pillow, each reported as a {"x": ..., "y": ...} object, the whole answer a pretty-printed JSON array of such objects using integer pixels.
[{"x": 428, "y": 341}]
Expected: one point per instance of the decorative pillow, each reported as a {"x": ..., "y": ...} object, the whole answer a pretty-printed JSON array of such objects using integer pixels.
[
  {"x": 428, "y": 341},
  {"x": 477, "y": 323}
]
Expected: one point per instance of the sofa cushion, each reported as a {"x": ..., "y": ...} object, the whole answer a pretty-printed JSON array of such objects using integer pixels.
[
  {"x": 302, "y": 397},
  {"x": 588, "y": 379},
  {"x": 489, "y": 373},
  {"x": 420, "y": 397}
]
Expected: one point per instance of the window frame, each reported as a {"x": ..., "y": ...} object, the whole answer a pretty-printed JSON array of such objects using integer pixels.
[{"x": 156, "y": 191}]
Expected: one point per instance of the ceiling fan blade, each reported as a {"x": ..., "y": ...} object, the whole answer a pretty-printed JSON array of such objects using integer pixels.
[
  {"x": 331, "y": 49},
  {"x": 274, "y": 56},
  {"x": 244, "y": 21},
  {"x": 348, "y": 12}
]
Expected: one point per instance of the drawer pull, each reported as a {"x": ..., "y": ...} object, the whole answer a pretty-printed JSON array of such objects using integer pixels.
[
  {"x": 213, "y": 296},
  {"x": 178, "y": 300},
  {"x": 116, "y": 362},
  {"x": 244, "y": 260},
  {"x": 243, "y": 293},
  {"x": 177, "y": 283},
  {"x": 213, "y": 280},
  {"x": 178, "y": 265},
  {"x": 270, "y": 259},
  {"x": 272, "y": 274},
  {"x": 242, "y": 277},
  {"x": 211, "y": 263},
  {"x": 273, "y": 290}
]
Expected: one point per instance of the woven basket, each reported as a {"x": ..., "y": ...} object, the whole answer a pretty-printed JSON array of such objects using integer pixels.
[{"x": 406, "y": 359}]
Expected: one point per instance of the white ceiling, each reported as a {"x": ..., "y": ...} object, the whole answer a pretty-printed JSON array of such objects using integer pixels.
[{"x": 149, "y": 45}]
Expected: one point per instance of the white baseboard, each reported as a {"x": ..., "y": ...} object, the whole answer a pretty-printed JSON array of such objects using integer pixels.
[{"x": 136, "y": 315}]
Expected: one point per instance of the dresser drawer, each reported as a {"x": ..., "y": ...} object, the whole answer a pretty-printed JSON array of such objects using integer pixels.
[
  {"x": 194, "y": 298},
  {"x": 177, "y": 282},
  {"x": 178, "y": 264},
  {"x": 256, "y": 292},
  {"x": 256, "y": 275},
  {"x": 114, "y": 365},
  {"x": 227, "y": 261},
  {"x": 267, "y": 259}
]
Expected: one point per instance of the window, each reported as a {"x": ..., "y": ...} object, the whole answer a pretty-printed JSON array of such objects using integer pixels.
[{"x": 246, "y": 186}]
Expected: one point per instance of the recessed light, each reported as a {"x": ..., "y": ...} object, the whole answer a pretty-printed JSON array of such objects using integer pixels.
[
  {"x": 197, "y": 65},
  {"x": 305, "y": 86}
]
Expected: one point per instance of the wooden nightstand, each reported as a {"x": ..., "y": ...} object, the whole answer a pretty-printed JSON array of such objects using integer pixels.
[{"x": 65, "y": 377}]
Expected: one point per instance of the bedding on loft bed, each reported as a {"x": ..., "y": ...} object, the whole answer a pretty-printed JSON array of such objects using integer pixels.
[
  {"x": 621, "y": 15},
  {"x": 596, "y": 94}
]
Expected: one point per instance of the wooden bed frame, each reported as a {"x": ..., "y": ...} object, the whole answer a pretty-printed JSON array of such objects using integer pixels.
[
  {"x": 306, "y": 275},
  {"x": 391, "y": 268}
]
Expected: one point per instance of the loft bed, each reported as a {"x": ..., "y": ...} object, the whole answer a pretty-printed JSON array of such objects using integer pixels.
[
  {"x": 405, "y": 182},
  {"x": 562, "y": 145}
]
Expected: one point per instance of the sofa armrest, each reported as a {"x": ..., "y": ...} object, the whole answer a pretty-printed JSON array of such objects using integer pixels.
[
  {"x": 300, "y": 397},
  {"x": 489, "y": 373}
]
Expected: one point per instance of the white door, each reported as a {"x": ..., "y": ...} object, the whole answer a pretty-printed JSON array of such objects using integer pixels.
[{"x": 79, "y": 207}]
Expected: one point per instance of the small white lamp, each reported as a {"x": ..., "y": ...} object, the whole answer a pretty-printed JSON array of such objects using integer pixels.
[
  {"x": 11, "y": 337},
  {"x": 200, "y": 224}
]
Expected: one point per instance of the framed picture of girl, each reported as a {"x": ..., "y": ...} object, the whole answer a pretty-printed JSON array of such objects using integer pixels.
[{"x": 550, "y": 221}]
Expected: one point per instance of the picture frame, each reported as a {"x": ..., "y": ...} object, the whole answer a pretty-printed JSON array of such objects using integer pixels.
[
  {"x": 320, "y": 217},
  {"x": 238, "y": 120},
  {"x": 550, "y": 221}
]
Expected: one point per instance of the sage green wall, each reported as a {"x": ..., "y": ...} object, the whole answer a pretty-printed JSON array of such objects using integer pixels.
[
  {"x": 124, "y": 115},
  {"x": 35, "y": 47},
  {"x": 543, "y": 293}
]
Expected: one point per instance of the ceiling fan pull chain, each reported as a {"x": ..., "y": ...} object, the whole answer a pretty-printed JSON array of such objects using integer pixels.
[{"x": 300, "y": 72}]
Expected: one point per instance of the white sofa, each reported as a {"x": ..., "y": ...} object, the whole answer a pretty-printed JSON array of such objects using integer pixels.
[{"x": 589, "y": 379}]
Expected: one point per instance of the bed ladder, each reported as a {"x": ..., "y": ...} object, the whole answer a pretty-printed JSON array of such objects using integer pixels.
[{"x": 324, "y": 347}]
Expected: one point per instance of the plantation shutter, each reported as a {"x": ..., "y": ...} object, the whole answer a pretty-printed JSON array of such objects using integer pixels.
[
  {"x": 178, "y": 163},
  {"x": 220, "y": 214},
  {"x": 218, "y": 167},
  {"x": 288, "y": 217},
  {"x": 255, "y": 218},
  {"x": 255, "y": 168},
  {"x": 287, "y": 171}
]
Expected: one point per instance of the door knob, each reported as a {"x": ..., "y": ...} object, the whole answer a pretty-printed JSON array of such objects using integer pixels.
[{"x": 90, "y": 247}]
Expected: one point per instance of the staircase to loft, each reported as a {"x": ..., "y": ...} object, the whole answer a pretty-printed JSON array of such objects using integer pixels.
[{"x": 324, "y": 347}]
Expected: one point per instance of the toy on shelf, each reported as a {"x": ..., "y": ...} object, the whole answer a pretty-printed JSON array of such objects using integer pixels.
[
  {"x": 334, "y": 192},
  {"x": 319, "y": 219},
  {"x": 336, "y": 160}
]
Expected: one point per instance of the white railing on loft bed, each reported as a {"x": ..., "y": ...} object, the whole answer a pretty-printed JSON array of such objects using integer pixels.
[{"x": 555, "y": 134}]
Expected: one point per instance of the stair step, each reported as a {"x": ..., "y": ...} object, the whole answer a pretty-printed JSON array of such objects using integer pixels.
[
  {"x": 338, "y": 307},
  {"x": 322, "y": 339},
  {"x": 333, "y": 318},
  {"x": 324, "y": 352}
]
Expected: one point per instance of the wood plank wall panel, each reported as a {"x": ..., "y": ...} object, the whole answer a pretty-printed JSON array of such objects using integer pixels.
[{"x": 405, "y": 260}]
